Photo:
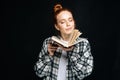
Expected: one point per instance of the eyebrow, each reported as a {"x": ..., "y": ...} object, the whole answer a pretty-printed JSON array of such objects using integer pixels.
[{"x": 65, "y": 19}]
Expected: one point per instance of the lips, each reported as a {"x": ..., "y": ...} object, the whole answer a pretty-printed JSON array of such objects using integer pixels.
[{"x": 68, "y": 28}]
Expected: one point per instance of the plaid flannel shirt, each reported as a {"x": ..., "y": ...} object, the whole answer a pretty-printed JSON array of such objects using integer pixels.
[{"x": 80, "y": 62}]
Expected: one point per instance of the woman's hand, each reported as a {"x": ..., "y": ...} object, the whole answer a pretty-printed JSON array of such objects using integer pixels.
[
  {"x": 52, "y": 48},
  {"x": 67, "y": 48}
]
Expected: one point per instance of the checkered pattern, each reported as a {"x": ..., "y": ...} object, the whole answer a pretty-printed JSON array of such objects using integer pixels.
[{"x": 80, "y": 62}]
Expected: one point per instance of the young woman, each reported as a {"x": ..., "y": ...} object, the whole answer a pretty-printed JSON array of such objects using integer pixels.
[{"x": 60, "y": 63}]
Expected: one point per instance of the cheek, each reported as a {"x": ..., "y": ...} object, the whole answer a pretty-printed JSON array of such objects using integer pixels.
[
  {"x": 62, "y": 26},
  {"x": 73, "y": 24}
]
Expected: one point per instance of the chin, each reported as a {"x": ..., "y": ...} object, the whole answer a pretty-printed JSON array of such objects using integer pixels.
[{"x": 69, "y": 32}]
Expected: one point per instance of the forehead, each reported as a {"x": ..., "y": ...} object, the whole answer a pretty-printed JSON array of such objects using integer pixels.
[{"x": 64, "y": 14}]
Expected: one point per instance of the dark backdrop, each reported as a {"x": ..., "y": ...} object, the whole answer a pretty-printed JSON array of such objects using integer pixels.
[{"x": 25, "y": 24}]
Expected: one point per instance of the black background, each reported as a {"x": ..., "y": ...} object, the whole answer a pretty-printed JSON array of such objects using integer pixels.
[{"x": 26, "y": 23}]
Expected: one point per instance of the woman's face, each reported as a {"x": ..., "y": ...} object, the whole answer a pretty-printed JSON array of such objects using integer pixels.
[{"x": 65, "y": 23}]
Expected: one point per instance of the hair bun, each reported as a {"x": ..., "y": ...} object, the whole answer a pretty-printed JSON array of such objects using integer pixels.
[{"x": 57, "y": 7}]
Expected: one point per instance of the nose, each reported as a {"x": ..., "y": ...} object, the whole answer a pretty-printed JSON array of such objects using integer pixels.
[{"x": 67, "y": 23}]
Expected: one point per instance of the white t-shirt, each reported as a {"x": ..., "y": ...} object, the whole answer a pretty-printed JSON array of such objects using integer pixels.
[{"x": 62, "y": 66}]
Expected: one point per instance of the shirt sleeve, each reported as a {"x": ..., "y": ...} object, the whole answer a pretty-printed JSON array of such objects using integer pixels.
[
  {"x": 42, "y": 66},
  {"x": 82, "y": 60}
]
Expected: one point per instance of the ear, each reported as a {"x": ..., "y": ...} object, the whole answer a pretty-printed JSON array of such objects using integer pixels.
[{"x": 56, "y": 27}]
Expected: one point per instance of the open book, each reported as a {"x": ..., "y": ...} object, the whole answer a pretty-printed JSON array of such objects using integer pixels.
[{"x": 76, "y": 33}]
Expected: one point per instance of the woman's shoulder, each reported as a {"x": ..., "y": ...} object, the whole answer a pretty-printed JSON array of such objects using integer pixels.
[
  {"x": 81, "y": 39},
  {"x": 47, "y": 39}
]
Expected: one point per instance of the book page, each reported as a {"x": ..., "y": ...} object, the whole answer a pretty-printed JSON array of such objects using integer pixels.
[{"x": 72, "y": 41}]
